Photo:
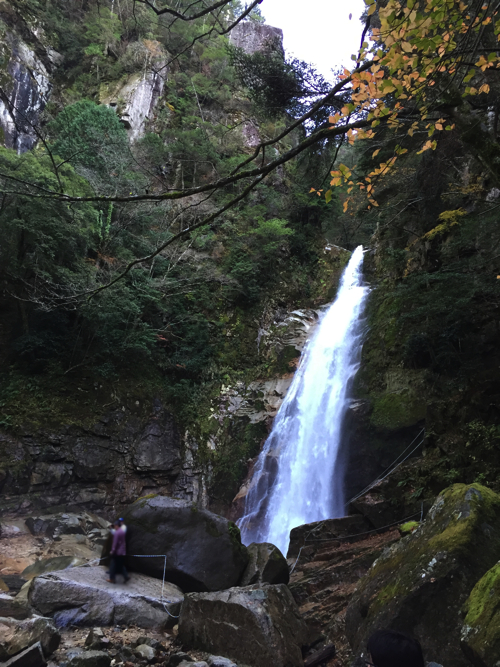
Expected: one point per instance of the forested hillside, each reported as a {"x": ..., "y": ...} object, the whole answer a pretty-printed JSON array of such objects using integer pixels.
[
  {"x": 160, "y": 216},
  {"x": 109, "y": 102},
  {"x": 179, "y": 199}
]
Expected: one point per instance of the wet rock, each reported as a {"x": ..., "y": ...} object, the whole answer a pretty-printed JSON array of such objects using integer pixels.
[
  {"x": 66, "y": 523},
  {"x": 149, "y": 641},
  {"x": 266, "y": 565},
  {"x": 203, "y": 550},
  {"x": 347, "y": 527},
  {"x": 177, "y": 658},
  {"x": 145, "y": 652},
  {"x": 378, "y": 511},
  {"x": 83, "y": 597},
  {"x": 219, "y": 661},
  {"x": 420, "y": 583},
  {"x": 480, "y": 636},
  {"x": 27, "y": 87},
  {"x": 30, "y": 657},
  {"x": 90, "y": 659},
  {"x": 253, "y": 625},
  {"x": 94, "y": 639},
  {"x": 55, "y": 564},
  {"x": 16, "y": 636},
  {"x": 12, "y": 608}
]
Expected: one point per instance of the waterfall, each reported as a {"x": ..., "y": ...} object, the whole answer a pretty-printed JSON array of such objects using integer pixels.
[{"x": 298, "y": 477}]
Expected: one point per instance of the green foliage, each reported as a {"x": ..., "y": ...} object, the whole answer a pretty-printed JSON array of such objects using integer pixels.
[{"x": 92, "y": 138}]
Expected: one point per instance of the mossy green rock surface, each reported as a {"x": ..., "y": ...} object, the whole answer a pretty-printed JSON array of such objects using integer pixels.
[
  {"x": 203, "y": 551},
  {"x": 481, "y": 629},
  {"x": 420, "y": 584}
]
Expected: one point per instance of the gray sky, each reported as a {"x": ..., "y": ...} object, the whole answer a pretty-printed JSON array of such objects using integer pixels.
[{"x": 318, "y": 31}]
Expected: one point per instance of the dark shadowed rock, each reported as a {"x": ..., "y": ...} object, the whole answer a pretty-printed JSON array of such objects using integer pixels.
[
  {"x": 266, "y": 565},
  {"x": 30, "y": 657},
  {"x": 16, "y": 636},
  {"x": 89, "y": 659},
  {"x": 481, "y": 629},
  {"x": 255, "y": 625},
  {"x": 82, "y": 596},
  {"x": 12, "y": 608},
  {"x": 203, "y": 550},
  {"x": 331, "y": 529},
  {"x": 420, "y": 583}
]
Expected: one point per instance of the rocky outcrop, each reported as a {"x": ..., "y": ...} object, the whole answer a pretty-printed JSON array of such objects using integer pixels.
[
  {"x": 252, "y": 36},
  {"x": 266, "y": 565},
  {"x": 347, "y": 527},
  {"x": 254, "y": 625},
  {"x": 136, "y": 96},
  {"x": 16, "y": 636},
  {"x": 124, "y": 455},
  {"x": 25, "y": 88},
  {"x": 203, "y": 551},
  {"x": 480, "y": 636},
  {"x": 420, "y": 584},
  {"x": 82, "y": 597}
]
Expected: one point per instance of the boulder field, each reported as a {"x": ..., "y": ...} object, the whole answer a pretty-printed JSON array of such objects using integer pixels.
[{"x": 440, "y": 582}]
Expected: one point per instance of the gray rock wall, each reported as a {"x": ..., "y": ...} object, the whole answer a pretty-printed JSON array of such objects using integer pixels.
[
  {"x": 104, "y": 467},
  {"x": 251, "y": 36},
  {"x": 25, "y": 88}
]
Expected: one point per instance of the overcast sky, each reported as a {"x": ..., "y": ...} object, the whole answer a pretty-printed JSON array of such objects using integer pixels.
[{"x": 318, "y": 31}]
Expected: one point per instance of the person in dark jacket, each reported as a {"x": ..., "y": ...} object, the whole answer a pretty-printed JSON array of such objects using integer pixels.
[
  {"x": 118, "y": 553},
  {"x": 388, "y": 648}
]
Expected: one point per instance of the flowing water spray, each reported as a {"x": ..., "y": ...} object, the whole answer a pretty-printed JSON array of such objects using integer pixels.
[{"x": 298, "y": 477}]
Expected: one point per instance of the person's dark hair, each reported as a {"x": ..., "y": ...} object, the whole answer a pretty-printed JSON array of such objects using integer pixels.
[{"x": 394, "y": 649}]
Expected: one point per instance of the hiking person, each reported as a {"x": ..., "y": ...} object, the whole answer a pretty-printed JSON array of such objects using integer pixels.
[
  {"x": 388, "y": 648},
  {"x": 118, "y": 553}
]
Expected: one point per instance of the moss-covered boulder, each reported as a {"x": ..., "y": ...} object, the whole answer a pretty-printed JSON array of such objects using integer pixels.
[
  {"x": 420, "y": 584},
  {"x": 197, "y": 550},
  {"x": 481, "y": 629}
]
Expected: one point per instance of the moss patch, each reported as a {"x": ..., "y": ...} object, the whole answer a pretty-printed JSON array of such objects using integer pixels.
[
  {"x": 398, "y": 410},
  {"x": 408, "y": 527},
  {"x": 481, "y": 632}
]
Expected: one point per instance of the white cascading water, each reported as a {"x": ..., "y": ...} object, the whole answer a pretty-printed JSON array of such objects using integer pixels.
[{"x": 298, "y": 477}]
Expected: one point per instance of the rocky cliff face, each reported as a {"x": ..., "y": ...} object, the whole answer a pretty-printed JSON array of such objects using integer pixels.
[
  {"x": 25, "y": 82},
  {"x": 252, "y": 37},
  {"x": 104, "y": 467}
]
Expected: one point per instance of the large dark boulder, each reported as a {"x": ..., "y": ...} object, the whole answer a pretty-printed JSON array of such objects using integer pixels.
[
  {"x": 266, "y": 565},
  {"x": 257, "y": 626},
  {"x": 203, "y": 551},
  {"x": 420, "y": 584}
]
